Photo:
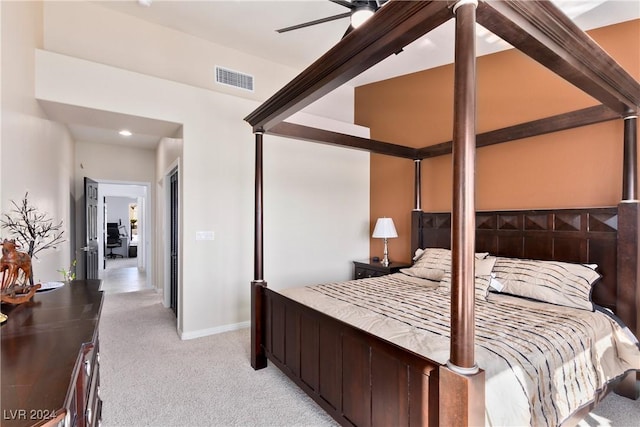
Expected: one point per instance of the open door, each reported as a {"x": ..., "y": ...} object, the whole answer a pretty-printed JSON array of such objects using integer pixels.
[
  {"x": 173, "y": 207},
  {"x": 91, "y": 228}
]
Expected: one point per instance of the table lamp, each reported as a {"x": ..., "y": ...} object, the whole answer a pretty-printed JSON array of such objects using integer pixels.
[{"x": 385, "y": 229}]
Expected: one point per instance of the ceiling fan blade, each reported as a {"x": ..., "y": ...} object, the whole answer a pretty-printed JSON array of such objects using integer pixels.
[
  {"x": 346, "y": 33},
  {"x": 344, "y": 3},
  {"x": 317, "y": 21}
]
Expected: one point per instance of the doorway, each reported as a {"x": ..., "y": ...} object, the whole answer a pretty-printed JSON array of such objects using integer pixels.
[{"x": 126, "y": 232}]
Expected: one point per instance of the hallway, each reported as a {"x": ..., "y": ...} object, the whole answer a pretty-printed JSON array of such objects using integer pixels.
[{"x": 122, "y": 275}]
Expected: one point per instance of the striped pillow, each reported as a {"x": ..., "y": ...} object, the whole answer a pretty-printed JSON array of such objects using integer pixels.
[
  {"x": 555, "y": 282},
  {"x": 481, "y": 285},
  {"x": 431, "y": 264}
]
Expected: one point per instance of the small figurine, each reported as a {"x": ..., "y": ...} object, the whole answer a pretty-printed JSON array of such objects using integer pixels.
[{"x": 12, "y": 262}]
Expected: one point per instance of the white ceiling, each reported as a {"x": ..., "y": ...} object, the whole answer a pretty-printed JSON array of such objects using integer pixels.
[
  {"x": 249, "y": 26},
  {"x": 97, "y": 126}
]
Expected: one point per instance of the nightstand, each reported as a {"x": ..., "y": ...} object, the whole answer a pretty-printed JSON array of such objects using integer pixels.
[{"x": 369, "y": 268}]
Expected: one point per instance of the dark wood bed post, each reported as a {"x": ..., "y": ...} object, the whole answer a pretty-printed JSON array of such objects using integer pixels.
[
  {"x": 258, "y": 356},
  {"x": 630, "y": 168},
  {"x": 417, "y": 208},
  {"x": 463, "y": 214},
  {"x": 629, "y": 241},
  {"x": 629, "y": 246},
  {"x": 417, "y": 190},
  {"x": 463, "y": 403}
]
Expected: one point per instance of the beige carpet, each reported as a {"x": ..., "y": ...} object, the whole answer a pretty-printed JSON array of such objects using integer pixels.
[{"x": 149, "y": 377}]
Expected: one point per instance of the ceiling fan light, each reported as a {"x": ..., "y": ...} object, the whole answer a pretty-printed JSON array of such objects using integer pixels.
[{"x": 360, "y": 15}]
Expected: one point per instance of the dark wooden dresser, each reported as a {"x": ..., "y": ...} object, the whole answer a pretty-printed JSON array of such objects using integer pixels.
[{"x": 50, "y": 358}]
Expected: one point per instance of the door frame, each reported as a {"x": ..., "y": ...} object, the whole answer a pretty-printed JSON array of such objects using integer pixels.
[
  {"x": 165, "y": 187},
  {"x": 146, "y": 243}
]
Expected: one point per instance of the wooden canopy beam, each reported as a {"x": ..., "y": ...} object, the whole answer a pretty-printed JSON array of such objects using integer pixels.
[
  {"x": 573, "y": 119},
  {"x": 541, "y": 31},
  {"x": 389, "y": 30},
  {"x": 306, "y": 133},
  {"x": 538, "y": 29}
]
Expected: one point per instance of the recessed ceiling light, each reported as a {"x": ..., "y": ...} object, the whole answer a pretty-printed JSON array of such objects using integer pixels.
[{"x": 125, "y": 132}]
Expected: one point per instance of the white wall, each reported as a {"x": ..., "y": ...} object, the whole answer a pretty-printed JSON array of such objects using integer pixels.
[
  {"x": 118, "y": 211},
  {"x": 36, "y": 155},
  {"x": 316, "y": 202},
  {"x": 217, "y": 189},
  {"x": 114, "y": 162},
  {"x": 90, "y": 31}
]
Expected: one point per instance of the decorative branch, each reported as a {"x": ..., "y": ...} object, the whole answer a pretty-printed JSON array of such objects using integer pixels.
[{"x": 32, "y": 229}]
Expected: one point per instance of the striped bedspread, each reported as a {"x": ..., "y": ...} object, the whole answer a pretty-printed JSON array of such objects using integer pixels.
[{"x": 546, "y": 360}]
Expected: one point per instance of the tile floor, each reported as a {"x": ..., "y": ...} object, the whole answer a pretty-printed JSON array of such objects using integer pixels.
[{"x": 122, "y": 275}]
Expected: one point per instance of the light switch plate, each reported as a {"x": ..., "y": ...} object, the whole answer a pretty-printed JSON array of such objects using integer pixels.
[{"x": 204, "y": 235}]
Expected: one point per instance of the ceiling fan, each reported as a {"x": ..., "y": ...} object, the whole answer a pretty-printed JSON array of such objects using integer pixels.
[{"x": 361, "y": 10}]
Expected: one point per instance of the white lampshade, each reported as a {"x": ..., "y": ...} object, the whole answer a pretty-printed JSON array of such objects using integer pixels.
[{"x": 384, "y": 228}]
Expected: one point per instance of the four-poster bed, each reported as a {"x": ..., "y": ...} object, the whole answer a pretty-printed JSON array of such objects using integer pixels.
[{"x": 363, "y": 379}]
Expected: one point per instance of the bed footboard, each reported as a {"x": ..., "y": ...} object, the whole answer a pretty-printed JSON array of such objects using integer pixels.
[{"x": 357, "y": 378}]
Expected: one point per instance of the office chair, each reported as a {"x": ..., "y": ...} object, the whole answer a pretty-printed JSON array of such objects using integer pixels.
[{"x": 113, "y": 239}]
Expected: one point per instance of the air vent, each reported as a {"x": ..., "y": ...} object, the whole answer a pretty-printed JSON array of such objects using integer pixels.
[{"x": 229, "y": 77}]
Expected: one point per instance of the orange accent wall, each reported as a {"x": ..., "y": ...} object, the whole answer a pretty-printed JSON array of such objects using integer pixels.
[{"x": 574, "y": 168}]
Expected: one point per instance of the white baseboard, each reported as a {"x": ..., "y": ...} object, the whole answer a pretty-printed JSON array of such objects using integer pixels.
[{"x": 213, "y": 331}]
